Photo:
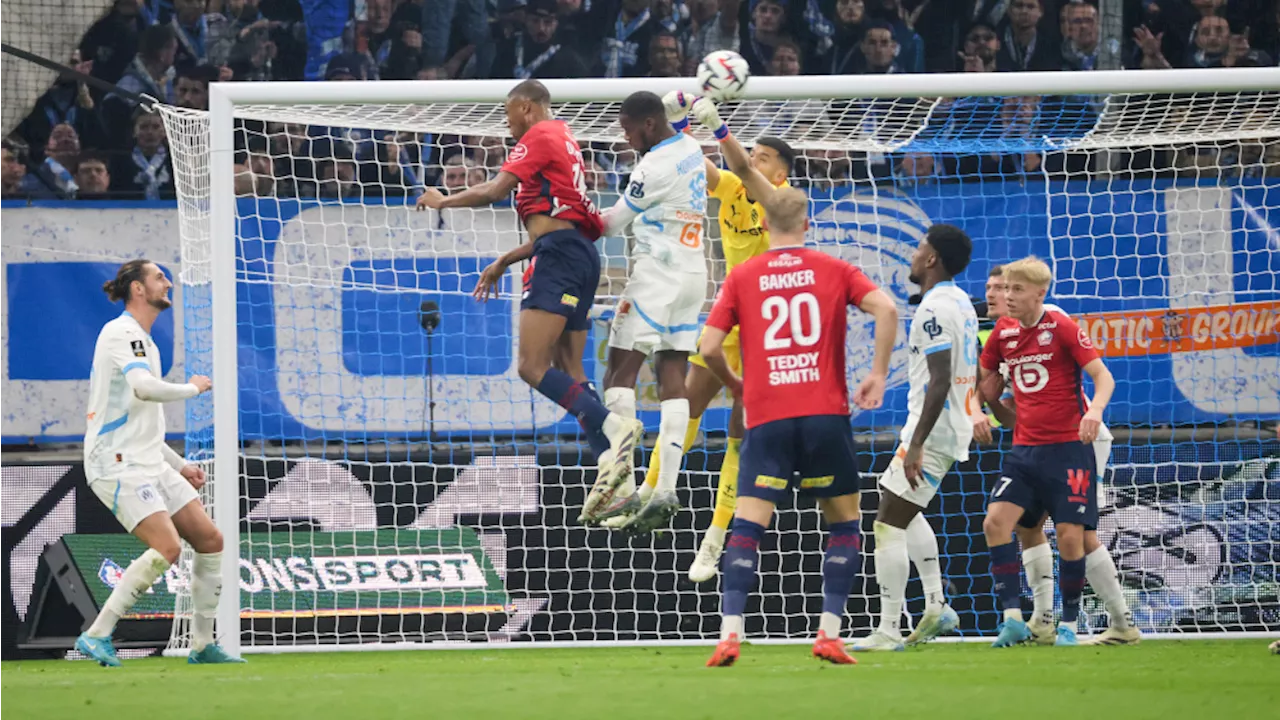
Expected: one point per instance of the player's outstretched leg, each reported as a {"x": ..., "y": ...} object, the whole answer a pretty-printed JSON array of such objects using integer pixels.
[
  {"x": 1100, "y": 570},
  {"x": 741, "y": 559},
  {"x": 708, "y": 557},
  {"x": 1037, "y": 562},
  {"x": 624, "y": 502},
  {"x": 998, "y": 529},
  {"x": 195, "y": 526},
  {"x": 156, "y": 530}
]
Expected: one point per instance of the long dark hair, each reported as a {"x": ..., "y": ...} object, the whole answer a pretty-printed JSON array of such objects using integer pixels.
[{"x": 117, "y": 289}]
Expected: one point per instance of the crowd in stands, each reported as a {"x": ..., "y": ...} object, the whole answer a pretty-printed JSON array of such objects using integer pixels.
[{"x": 80, "y": 142}]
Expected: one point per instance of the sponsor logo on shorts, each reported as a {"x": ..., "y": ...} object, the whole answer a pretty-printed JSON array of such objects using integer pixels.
[
  {"x": 769, "y": 481},
  {"x": 570, "y": 300},
  {"x": 817, "y": 482},
  {"x": 146, "y": 493}
]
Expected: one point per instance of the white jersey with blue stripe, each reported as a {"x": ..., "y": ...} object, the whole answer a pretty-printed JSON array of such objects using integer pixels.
[
  {"x": 122, "y": 430},
  {"x": 668, "y": 188},
  {"x": 945, "y": 320}
]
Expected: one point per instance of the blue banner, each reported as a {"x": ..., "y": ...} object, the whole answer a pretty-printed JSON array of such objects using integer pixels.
[{"x": 332, "y": 341}]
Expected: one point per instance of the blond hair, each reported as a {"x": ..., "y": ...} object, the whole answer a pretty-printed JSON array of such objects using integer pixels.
[
  {"x": 787, "y": 210},
  {"x": 1031, "y": 270}
]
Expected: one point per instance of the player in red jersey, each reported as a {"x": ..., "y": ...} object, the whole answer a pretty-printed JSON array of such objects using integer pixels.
[
  {"x": 560, "y": 285},
  {"x": 1052, "y": 467},
  {"x": 789, "y": 305}
]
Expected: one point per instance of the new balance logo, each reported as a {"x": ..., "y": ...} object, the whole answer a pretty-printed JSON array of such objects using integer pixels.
[
  {"x": 838, "y": 559},
  {"x": 743, "y": 563}
]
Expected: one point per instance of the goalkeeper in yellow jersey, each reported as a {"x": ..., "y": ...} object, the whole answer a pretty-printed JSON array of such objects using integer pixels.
[{"x": 742, "y": 238}]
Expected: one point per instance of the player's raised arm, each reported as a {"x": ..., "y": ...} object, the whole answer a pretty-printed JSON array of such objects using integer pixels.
[
  {"x": 758, "y": 187},
  {"x": 128, "y": 354},
  {"x": 1103, "y": 387}
]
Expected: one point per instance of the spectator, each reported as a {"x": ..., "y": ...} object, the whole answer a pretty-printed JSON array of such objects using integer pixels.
[
  {"x": 92, "y": 178},
  {"x": 878, "y": 50},
  {"x": 11, "y": 172},
  {"x": 191, "y": 88},
  {"x": 457, "y": 171},
  {"x": 439, "y": 19},
  {"x": 535, "y": 53},
  {"x": 253, "y": 58},
  {"x": 241, "y": 33},
  {"x": 981, "y": 46},
  {"x": 628, "y": 27},
  {"x": 1240, "y": 54},
  {"x": 786, "y": 59},
  {"x": 389, "y": 175},
  {"x": 406, "y": 56},
  {"x": 850, "y": 14},
  {"x": 146, "y": 171},
  {"x": 67, "y": 102},
  {"x": 713, "y": 25},
  {"x": 254, "y": 172},
  {"x": 910, "y": 55},
  {"x": 431, "y": 73},
  {"x": 150, "y": 74},
  {"x": 191, "y": 27},
  {"x": 373, "y": 36},
  {"x": 575, "y": 29},
  {"x": 55, "y": 177},
  {"x": 1080, "y": 28},
  {"x": 768, "y": 27},
  {"x": 1022, "y": 45},
  {"x": 350, "y": 66},
  {"x": 112, "y": 42},
  {"x": 665, "y": 59}
]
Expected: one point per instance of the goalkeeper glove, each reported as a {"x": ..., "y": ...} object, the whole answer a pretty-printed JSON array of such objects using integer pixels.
[
  {"x": 677, "y": 105},
  {"x": 706, "y": 113}
]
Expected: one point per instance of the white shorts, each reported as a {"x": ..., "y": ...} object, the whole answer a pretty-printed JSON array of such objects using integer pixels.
[
  {"x": 935, "y": 466},
  {"x": 132, "y": 495},
  {"x": 659, "y": 309}
]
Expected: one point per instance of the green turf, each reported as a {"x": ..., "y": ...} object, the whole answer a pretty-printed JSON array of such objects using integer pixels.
[{"x": 1217, "y": 680}]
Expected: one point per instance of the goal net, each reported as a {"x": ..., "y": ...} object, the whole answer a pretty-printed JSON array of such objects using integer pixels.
[{"x": 390, "y": 480}]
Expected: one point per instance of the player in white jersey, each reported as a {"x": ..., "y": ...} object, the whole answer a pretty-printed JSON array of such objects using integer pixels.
[
  {"x": 150, "y": 488},
  {"x": 665, "y": 203},
  {"x": 942, "y": 373},
  {"x": 1037, "y": 555}
]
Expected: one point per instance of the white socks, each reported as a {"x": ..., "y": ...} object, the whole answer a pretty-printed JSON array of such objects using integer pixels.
[
  {"x": 622, "y": 403},
  {"x": 672, "y": 428},
  {"x": 731, "y": 625},
  {"x": 922, "y": 547},
  {"x": 715, "y": 534},
  {"x": 892, "y": 566},
  {"x": 1100, "y": 570},
  {"x": 140, "y": 575},
  {"x": 830, "y": 623},
  {"x": 1038, "y": 564},
  {"x": 206, "y": 586}
]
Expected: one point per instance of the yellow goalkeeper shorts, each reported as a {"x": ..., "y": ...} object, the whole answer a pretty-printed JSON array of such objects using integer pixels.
[{"x": 732, "y": 354}]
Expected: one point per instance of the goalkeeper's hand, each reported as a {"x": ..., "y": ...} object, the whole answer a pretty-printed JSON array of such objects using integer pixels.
[
  {"x": 432, "y": 198},
  {"x": 677, "y": 104},
  {"x": 705, "y": 111}
]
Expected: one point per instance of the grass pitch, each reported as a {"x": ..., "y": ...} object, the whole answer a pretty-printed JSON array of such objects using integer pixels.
[{"x": 1167, "y": 679}]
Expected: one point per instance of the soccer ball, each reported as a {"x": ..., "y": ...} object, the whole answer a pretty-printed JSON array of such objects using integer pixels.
[{"x": 723, "y": 75}]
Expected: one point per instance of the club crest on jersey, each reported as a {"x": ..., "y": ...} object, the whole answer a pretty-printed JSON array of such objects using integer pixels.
[
  {"x": 139, "y": 348},
  {"x": 785, "y": 260},
  {"x": 1044, "y": 338},
  {"x": 1009, "y": 332}
]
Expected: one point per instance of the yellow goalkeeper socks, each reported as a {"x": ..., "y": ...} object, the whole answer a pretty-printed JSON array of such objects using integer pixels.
[
  {"x": 655, "y": 464},
  {"x": 727, "y": 487}
]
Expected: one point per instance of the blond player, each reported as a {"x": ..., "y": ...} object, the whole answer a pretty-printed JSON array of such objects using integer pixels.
[
  {"x": 150, "y": 488},
  {"x": 742, "y": 236}
]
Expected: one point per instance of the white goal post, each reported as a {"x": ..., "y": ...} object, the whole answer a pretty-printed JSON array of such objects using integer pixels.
[{"x": 1151, "y": 193}]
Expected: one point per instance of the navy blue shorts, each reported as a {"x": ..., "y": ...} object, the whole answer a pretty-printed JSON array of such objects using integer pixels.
[
  {"x": 1059, "y": 479},
  {"x": 813, "y": 454},
  {"x": 562, "y": 277}
]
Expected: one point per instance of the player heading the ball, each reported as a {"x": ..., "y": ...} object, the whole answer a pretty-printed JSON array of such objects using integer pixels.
[
  {"x": 660, "y": 307},
  {"x": 790, "y": 307},
  {"x": 943, "y": 394},
  {"x": 546, "y": 170},
  {"x": 1052, "y": 467},
  {"x": 150, "y": 488}
]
